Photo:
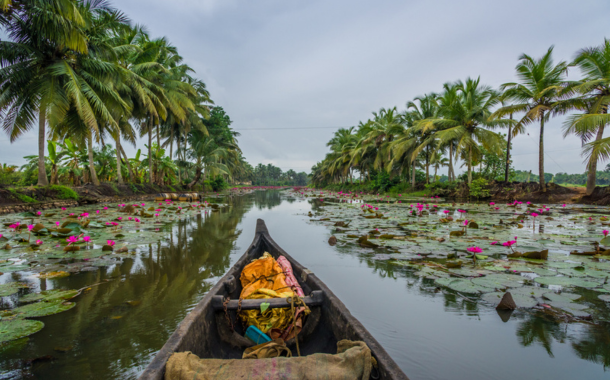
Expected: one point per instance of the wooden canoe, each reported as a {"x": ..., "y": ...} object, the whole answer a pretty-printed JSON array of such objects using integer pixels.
[{"x": 206, "y": 332}]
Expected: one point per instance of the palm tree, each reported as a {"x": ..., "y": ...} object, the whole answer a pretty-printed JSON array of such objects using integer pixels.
[
  {"x": 594, "y": 88},
  {"x": 43, "y": 36},
  {"x": 464, "y": 119},
  {"x": 428, "y": 110},
  {"x": 439, "y": 161},
  {"x": 537, "y": 94}
]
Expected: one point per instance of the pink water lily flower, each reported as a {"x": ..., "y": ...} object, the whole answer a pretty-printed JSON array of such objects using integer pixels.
[
  {"x": 605, "y": 232},
  {"x": 492, "y": 203},
  {"x": 474, "y": 249},
  {"x": 137, "y": 220},
  {"x": 465, "y": 222},
  {"x": 72, "y": 239},
  {"x": 39, "y": 213},
  {"x": 120, "y": 218},
  {"x": 105, "y": 208},
  {"x": 446, "y": 211},
  {"x": 494, "y": 243},
  {"x": 39, "y": 242},
  {"x": 87, "y": 239},
  {"x": 57, "y": 224},
  {"x": 110, "y": 243},
  {"x": 63, "y": 209},
  {"x": 509, "y": 243},
  {"x": 84, "y": 214},
  {"x": 534, "y": 214},
  {"x": 30, "y": 227}
]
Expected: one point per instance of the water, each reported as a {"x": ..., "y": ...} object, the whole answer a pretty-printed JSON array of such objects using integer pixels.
[{"x": 118, "y": 326}]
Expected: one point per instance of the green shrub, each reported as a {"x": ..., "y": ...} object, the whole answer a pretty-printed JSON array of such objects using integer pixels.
[
  {"x": 218, "y": 183},
  {"x": 133, "y": 187},
  {"x": 22, "y": 197},
  {"x": 64, "y": 192},
  {"x": 479, "y": 188}
]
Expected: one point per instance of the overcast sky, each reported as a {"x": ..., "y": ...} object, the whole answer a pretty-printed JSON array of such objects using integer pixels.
[{"x": 315, "y": 65}]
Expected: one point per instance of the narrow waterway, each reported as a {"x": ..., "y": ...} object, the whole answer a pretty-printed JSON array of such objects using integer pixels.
[{"x": 118, "y": 326}]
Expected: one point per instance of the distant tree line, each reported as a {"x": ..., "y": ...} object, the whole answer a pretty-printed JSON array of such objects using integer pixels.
[{"x": 271, "y": 175}]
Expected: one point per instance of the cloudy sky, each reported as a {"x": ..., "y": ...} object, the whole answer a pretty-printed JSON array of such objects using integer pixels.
[{"x": 290, "y": 72}]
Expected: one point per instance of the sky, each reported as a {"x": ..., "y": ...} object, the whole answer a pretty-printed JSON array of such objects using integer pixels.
[{"x": 289, "y": 73}]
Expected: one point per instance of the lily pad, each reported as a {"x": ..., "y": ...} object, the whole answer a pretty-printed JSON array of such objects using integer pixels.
[
  {"x": 40, "y": 309},
  {"x": 49, "y": 295},
  {"x": 18, "y": 328},
  {"x": 567, "y": 281},
  {"x": 11, "y": 288}
]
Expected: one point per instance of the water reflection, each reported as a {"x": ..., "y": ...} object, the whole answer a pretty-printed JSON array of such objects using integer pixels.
[
  {"x": 541, "y": 330},
  {"x": 119, "y": 324},
  {"x": 589, "y": 341},
  {"x": 594, "y": 345}
]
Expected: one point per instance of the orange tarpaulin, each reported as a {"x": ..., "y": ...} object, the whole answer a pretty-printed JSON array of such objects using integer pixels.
[{"x": 263, "y": 273}]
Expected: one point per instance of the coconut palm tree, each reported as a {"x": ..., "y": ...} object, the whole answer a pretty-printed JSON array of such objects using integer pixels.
[
  {"x": 465, "y": 120},
  {"x": 594, "y": 91},
  {"x": 43, "y": 36},
  {"x": 537, "y": 94}
]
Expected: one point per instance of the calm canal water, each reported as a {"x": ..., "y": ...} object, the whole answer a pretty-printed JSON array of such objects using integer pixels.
[{"x": 118, "y": 326}]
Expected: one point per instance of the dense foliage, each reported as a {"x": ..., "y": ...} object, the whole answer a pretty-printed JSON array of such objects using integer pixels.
[
  {"x": 459, "y": 125},
  {"x": 90, "y": 82}
]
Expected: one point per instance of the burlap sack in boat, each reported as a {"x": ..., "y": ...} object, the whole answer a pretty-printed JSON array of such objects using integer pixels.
[{"x": 352, "y": 361}]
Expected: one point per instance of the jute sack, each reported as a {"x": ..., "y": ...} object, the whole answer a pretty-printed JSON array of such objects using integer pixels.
[{"x": 352, "y": 361}]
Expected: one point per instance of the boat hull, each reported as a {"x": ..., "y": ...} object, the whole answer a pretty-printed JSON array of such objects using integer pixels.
[{"x": 206, "y": 332}]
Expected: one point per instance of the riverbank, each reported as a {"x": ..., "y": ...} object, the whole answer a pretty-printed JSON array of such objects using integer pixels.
[
  {"x": 36, "y": 198},
  {"x": 496, "y": 191}
]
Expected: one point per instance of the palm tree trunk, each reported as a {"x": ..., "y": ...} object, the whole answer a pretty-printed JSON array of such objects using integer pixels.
[
  {"x": 508, "y": 151},
  {"x": 413, "y": 175},
  {"x": 119, "y": 175},
  {"x": 469, "y": 166},
  {"x": 592, "y": 167},
  {"x": 171, "y": 144},
  {"x": 94, "y": 179},
  {"x": 150, "y": 168},
  {"x": 157, "y": 174},
  {"x": 541, "y": 154},
  {"x": 42, "y": 171},
  {"x": 427, "y": 168},
  {"x": 131, "y": 174},
  {"x": 450, "y": 163},
  {"x": 54, "y": 180}
]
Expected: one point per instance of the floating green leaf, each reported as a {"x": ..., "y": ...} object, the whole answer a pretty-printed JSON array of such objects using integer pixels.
[
  {"x": 18, "y": 328},
  {"x": 40, "y": 309},
  {"x": 49, "y": 295}
]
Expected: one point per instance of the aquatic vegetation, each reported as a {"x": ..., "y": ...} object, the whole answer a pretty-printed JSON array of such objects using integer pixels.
[
  {"x": 76, "y": 239},
  {"x": 560, "y": 252}
]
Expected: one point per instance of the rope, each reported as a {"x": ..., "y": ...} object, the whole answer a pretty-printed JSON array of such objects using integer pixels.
[{"x": 299, "y": 302}]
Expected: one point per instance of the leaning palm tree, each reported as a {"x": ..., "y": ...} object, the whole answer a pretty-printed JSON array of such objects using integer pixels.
[
  {"x": 537, "y": 94},
  {"x": 43, "y": 35},
  {"x": 594, "y": 88}
]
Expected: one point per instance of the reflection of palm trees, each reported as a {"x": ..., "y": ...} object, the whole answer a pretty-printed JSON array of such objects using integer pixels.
[
  {"x": 267, "y": 199},
  {"x": 594, "y": 345},
  {"x": 117, "y": 325},
  {"x": 536, "y": 328}
]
